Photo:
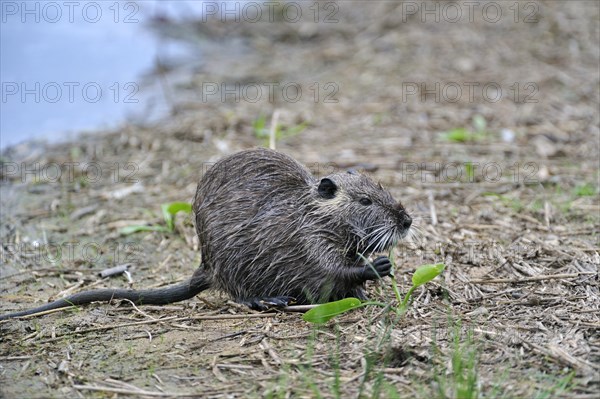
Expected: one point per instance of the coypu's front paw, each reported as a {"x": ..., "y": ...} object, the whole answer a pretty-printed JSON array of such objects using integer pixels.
[{"x": 381, "y": 267}]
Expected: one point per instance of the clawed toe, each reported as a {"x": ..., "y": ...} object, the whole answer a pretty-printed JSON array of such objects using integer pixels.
[{"x": 263, "y": 304}]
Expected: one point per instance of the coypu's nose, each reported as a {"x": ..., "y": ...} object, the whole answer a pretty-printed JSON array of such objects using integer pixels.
[{"x": 406, "y": 222}]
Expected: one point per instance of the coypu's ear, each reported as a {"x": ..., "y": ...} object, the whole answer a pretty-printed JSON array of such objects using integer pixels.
[{"x": 327, "y": 188}]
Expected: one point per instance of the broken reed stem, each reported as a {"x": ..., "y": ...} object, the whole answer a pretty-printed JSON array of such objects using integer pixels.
[
  {"x": 123, "y": 391},
  {"x": 114, "y": 270},
  {"x": 528, "y": 279},
  {"x": 432, "y": 210}
]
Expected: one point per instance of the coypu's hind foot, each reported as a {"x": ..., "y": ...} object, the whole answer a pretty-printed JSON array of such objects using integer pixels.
[{"x": 269, "y": 302}]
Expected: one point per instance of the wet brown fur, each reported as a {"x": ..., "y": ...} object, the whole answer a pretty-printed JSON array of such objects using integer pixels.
[{"x": 266, "y": 230}]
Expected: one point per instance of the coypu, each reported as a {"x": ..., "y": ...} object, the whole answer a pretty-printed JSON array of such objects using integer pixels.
[{"x": 271, "y": 234}]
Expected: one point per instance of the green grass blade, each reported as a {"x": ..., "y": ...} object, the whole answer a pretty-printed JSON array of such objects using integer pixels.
[
  {"x": 259, "y": 127},
  {"x": 170, "y": 210},
  {"x": 325, "y": 312},
  {"x": 479, "y": 123},
  {"x": 459, "y": 135},
  {"x": 426, "y": 273}
]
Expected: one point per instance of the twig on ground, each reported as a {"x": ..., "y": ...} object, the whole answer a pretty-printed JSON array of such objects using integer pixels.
[
  {"x": 124, "y": 391},
  {"x": 298, "y": 308},
  {"x": 114, "y": 270},
  {"x": 7, "y": 358},
  {"x": 529, "y": 279},
  {"x": 216, "y": 371},
  {"x": 69, "y": 290},
  {"x": 432, "y": 210},
  {"x": 267, "y": 348},
  {"x": 138, "y": 309}
]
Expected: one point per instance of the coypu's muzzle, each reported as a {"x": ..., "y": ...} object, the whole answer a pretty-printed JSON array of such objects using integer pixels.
[{"x": 403, "y": 220}]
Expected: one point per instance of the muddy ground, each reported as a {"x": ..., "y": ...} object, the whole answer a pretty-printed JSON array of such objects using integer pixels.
[{"x": 503, "y": 188}]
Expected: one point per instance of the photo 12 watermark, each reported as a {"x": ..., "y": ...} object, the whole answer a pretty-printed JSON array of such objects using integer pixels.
[
  {"x": 69, "y": 172},
  {"x": 467, "y": 252},
  {"x": 54, "y": 12},
  {"x": 73, "y": 251},
  {"x": 469, "y": 92},
  {"x": 270, "y": 11},
  {"x": 490, "y": 12},
  {"x": 469, "y": 172},
  {"x": 68, "y": 92},
  {"x": 269, "y": 92}
]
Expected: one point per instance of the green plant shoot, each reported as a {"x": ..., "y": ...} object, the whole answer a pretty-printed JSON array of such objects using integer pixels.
[
  {"x": 325, "y": 312},
  {"x": 168, "y": 211},
  {"x": 422, "y": 275}
]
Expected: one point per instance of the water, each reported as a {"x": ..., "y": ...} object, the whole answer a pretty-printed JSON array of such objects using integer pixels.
[{"x": 67, "y": 67}]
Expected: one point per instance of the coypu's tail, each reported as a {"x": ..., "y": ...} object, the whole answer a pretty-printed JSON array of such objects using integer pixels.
[{"x": 159, "y": 296}]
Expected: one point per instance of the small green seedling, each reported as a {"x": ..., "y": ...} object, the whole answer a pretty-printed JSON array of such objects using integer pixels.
[
  {"x": 479, "y": 123},
  {"x": 422, "y": 275},
  {"x": 458, "y": 135},
  {"x": 325, "y": 312},
  {"x": 260, "y": 126},
  {"x": 585, "y": 190},
  {"x": 470, "y": 171},
  {"x": 169, "y": 211},
  {"x": 462, "y": 135},
  {"x": 262, "y": 132}
]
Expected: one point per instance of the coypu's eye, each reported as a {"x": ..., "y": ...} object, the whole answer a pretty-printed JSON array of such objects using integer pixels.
[{"x": 365, "y": 201}]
